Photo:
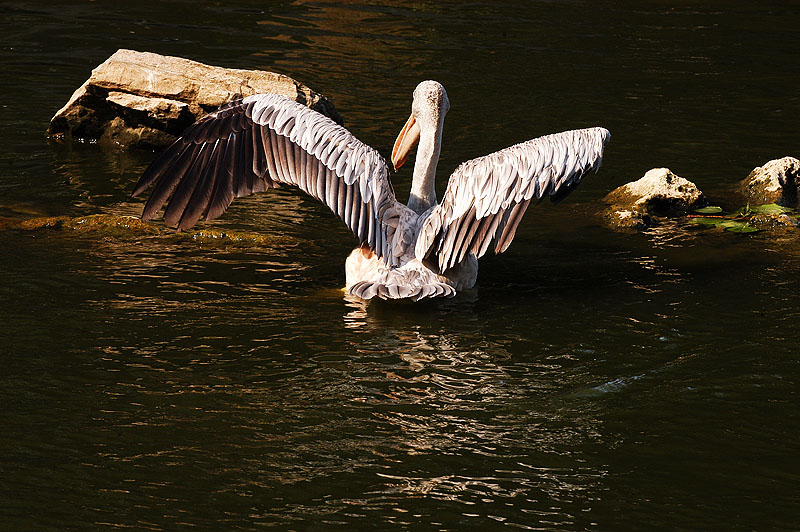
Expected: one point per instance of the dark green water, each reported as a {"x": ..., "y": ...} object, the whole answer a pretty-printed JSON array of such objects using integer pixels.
[{"x": 594, "y": 381}]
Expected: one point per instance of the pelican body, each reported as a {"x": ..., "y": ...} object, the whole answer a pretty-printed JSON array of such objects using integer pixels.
[{"x": 419, "y": 250}]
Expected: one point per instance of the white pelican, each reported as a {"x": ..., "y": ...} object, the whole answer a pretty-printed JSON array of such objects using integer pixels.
[{"x": 419, "y": 250}]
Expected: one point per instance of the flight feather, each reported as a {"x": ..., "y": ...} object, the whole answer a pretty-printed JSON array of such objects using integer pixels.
[
  {"x": 486, "y": 197},
  {"x": 262, "y": 141}
]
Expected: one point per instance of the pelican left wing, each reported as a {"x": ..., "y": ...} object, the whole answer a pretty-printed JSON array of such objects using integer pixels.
[
  {"x": 486, "y": 197},
  {"x": 259, "y": 142}
]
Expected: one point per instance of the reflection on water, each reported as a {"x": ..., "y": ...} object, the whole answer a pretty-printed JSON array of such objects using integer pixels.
[
  {"x": 225, "y": 374},
  {"x": 593, "y": 380}
]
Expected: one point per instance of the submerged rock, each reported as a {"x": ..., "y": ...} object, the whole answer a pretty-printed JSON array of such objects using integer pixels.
[
  {"x": 92, "y": 223},
  {"x": 109, "y": 225},
  {"x": 775, "y": 182},
  {"x": 142, "y": 99},
  {"x": 659, "y": 193},
  {"x": 772, "y": 221}
]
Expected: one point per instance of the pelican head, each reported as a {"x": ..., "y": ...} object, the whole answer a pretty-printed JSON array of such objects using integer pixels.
[{"x": 428, "y": 108}]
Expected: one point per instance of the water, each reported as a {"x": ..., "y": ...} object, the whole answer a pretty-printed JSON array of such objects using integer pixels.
[{"x": 594, "y": 381}]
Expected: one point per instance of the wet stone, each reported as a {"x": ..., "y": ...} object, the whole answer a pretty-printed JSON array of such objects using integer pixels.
[
  {"x": 145, "y": 100},
  {"x": 659, "y": 193},
  {"x": 775, "y": 182}
]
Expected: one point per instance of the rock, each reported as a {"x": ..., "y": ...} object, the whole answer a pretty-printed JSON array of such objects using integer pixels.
[
  {"x": 770, "y": 222},
  {"x": 627, "y": 220},
  {"x": 109, "y": 225},
  {"x": 660, "y": 193},
  {"x": 775, "y": 182},
  {"x": 141, "y": 99},
  {"x": 92, "y": 223}
]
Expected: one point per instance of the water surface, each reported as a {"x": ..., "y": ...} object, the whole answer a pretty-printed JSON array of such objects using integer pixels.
[{"x": 593, "y": 381}]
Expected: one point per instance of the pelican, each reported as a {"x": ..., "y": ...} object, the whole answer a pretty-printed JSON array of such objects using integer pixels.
[{"x": 420, "y": 250}]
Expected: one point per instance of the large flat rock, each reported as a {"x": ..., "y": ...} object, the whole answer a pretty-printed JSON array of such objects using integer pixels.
[{"x": 142, "y": 99}]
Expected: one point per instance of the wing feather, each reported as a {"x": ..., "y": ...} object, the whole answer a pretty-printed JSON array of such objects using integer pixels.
[
  {"x": 244, "y": 158},
  {"x": 167, "y": 158},
  {"x": 185, "y": 188},
  {"x": 259, "y": 153},
  {"x": 333, "y": 189},
  {"x": 291, "y": 174},
  {"x": 487, "y": 197},
  {"x": 258, "y": 143},
  {"x": 510, "y": 224},
  {"x": 222, "y": 196},
  {"x": 317, "y": 173},
  {"x": 165, "y": 187},
  {"x": 201, "y": 197}
]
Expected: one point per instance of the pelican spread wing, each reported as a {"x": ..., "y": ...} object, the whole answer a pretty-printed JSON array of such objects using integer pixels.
[
  {"x": 421, "y": 250},
  {"x": 486, "y": 197},
  {"x": 260, "y": 142}
]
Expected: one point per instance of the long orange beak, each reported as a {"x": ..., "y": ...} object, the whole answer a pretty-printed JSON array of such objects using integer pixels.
[{"x": 406, "y": 140}]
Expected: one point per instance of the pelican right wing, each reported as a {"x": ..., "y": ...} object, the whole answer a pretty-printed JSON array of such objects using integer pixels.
[
  {"x": 486, "y": 197},
  {"x": 260, "y": 142}
]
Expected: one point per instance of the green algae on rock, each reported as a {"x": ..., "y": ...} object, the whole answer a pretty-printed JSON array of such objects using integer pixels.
[
  {"x": 121, "y": 226},
  {"x": 748, "y": 219}
]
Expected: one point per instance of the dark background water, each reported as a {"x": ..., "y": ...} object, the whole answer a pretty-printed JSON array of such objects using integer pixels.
[{"x": 594, "y": 381}]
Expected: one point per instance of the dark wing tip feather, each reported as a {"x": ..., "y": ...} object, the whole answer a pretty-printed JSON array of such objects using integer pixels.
[
  {"x": 164, "y": 160},
  {"x": 559, "y": 193},
  {"x": 191, "y": 171},
  {"x": 169, "y": 181},
  {"x": 259, "y": 143}
]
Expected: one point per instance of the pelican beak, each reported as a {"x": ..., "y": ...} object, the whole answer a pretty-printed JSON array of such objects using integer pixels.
[{"x": 408, "y": 138}]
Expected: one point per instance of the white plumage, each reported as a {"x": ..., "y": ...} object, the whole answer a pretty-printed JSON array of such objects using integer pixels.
[{"x": 423, "y": 249}]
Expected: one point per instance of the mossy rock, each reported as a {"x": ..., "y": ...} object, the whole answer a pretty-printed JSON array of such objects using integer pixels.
[
  {"x": 768, "y": 217},
  {"x": 658, "y": 194},
  {"x": 120, "y": 226}
]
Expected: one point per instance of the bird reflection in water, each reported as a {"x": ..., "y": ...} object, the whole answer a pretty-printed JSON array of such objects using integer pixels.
[{"x": 450, "y": 399}]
